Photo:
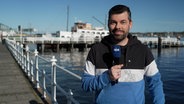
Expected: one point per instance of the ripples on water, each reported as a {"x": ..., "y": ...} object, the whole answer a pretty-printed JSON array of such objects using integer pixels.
[{"x": 170, "y": 63}]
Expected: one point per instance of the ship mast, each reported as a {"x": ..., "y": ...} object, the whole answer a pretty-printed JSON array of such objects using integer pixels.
[{"x": 67, "y": 18}]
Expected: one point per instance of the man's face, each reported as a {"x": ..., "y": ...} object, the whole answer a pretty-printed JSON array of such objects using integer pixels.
[{"x": 119, "y": 25}]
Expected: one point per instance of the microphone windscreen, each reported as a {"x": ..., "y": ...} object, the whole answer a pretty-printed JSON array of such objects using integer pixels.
[{"x": 116, "y": 50}]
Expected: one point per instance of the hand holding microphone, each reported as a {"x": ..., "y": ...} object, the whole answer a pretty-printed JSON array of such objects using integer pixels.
[{"x": 115, "y": 71}]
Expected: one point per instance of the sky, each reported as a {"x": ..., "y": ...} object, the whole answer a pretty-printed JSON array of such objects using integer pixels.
[{"x": 51, "y": 15}]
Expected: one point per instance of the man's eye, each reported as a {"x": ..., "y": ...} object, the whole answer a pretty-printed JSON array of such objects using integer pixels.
[
  {"x": 112, "y": 22},
  {"x": 123, "y": 22}
]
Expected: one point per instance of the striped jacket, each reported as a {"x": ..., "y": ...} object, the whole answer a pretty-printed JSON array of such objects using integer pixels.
[{"x": 139, "y": 64}]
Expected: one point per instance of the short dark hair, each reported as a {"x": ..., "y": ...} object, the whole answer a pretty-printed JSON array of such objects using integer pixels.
[{"x": 117, "y": 9}]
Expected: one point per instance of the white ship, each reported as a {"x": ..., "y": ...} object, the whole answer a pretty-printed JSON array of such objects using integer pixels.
[{"x": 83, "y": 31}]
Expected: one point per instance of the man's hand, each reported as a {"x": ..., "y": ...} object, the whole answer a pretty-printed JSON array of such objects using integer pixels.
[{"x": 115, "y": 72}]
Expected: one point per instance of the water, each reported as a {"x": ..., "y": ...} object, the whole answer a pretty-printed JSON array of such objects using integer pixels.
[{"x": 170, "y": 63}]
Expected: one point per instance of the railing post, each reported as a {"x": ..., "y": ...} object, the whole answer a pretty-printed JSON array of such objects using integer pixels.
[
  {"x": 22, "y": 56},
  {"x": 18, "y": 53},
  {"x": 14, "y": 50},
  {"x": 69, "y": 96},
  {"x": 44, "y": 86},
  {"x": 37, "y": 69},
  {"x": 53, "y": 80},
  {"x": 32, "y": 78},
  {"x": 28, "y": 61},
  {"x": 25, "y": 64}
]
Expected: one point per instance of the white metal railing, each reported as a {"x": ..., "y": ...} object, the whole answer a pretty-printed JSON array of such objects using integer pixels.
[
  {"x": 38, "y": 76},
  {"x": 165, "y": 40}
]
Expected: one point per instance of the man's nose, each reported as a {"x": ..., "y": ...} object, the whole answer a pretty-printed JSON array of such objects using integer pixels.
[{"x": 118, "y": 25}]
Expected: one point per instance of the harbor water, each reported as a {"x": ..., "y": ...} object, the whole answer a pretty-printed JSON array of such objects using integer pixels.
[{"x": 170, "y": 63}]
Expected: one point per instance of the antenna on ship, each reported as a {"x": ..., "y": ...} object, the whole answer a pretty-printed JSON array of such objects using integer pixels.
[{"x": 67, "y": 18}]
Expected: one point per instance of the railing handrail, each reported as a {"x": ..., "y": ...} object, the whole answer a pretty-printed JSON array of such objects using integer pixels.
[{"x": 24, "y": 60}]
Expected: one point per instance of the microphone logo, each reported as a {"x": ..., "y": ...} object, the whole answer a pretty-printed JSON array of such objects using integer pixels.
[{"x": 116, "y": 54}]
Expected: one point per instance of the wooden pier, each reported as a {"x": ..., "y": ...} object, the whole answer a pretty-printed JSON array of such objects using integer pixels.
[
  {"x": 15, "y": 87},
  {"x": 28, "y": 61},
  {"x": 56, "y": 43}
]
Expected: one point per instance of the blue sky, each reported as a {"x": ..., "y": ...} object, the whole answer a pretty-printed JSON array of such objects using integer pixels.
[{"x": 51, "y": 15}]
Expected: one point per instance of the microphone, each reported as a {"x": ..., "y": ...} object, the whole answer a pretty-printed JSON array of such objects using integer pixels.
[{"x": 116, "y": 51}]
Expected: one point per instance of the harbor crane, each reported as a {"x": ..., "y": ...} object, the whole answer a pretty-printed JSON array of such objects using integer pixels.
[{"x": 104, "y": 24}]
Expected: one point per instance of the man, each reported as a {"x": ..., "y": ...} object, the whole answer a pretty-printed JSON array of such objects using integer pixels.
[{"x": 121, "y": 83}]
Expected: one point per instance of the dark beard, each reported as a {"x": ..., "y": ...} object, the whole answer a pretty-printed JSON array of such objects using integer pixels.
[
  {"x": 119, "y": 38},
  {"x": 116, "y": 40}
]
